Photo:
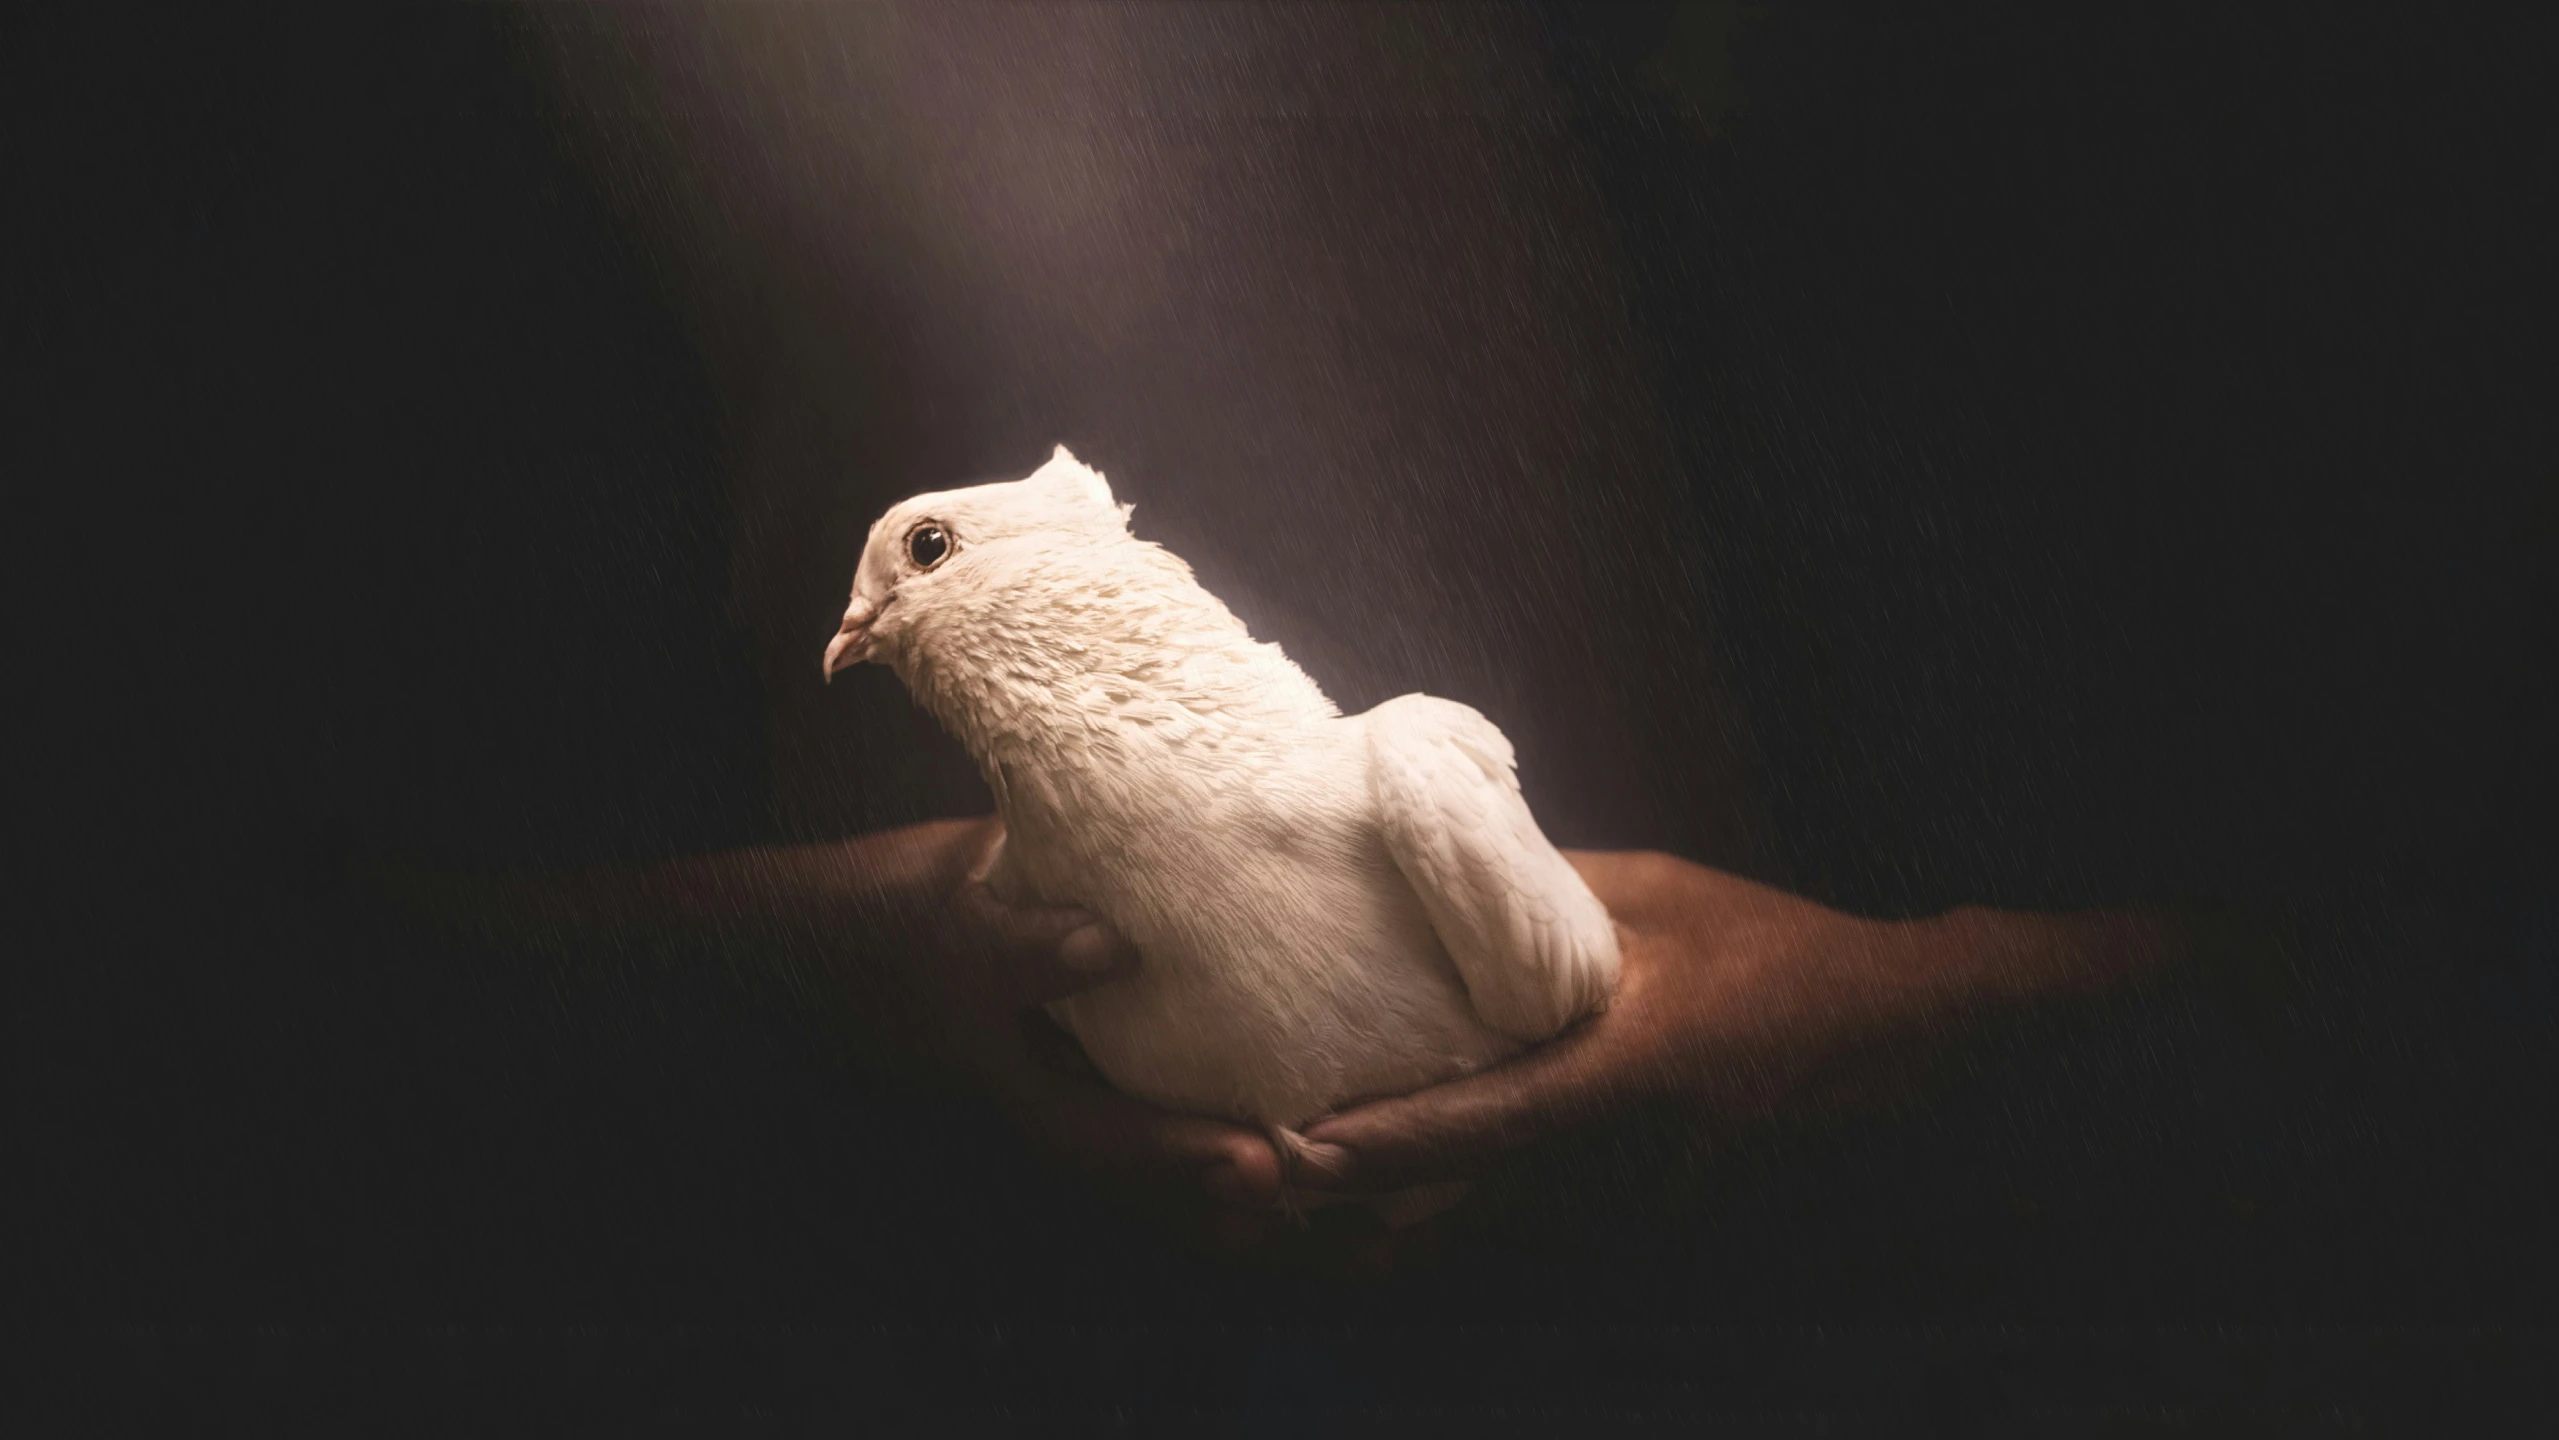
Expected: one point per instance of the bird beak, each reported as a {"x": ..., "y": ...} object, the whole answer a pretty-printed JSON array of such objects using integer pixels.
[{"x": 852, "y": 643}]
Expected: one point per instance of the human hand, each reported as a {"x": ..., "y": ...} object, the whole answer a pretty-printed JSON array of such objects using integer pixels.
[
  {"x": 993, "y": 965},
  {"x": 1735, "y": 1000},
  {"x": 934, "y": 969}
]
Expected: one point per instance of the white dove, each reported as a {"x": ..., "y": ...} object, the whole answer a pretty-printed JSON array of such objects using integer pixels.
[{"x": 1326, "y": 908}]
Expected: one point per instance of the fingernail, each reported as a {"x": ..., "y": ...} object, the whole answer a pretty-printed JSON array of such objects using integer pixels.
[{"x": 1088, "y": 949}]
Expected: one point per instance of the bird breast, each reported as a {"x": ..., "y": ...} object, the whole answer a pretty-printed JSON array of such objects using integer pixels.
[{"x": 1287, "y": 966}]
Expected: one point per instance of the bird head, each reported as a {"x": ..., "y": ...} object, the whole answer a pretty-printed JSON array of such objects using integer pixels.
[{"x": 956, "y": 546}]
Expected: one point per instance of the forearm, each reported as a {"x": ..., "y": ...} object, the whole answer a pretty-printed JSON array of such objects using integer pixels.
[
  {"x": 1972, "y": 965},
  {"x": 885, "y": 882},
  {"x": 2006, "y": 957},
  {"x": 881, "y": 885},
  {"x": 1886, "y": 998}
]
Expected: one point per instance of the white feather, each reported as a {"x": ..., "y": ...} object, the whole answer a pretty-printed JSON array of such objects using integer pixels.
[{"x": 1327, "y": 908}]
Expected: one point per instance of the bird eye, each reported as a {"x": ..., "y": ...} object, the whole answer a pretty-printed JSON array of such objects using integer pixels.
[{"x": 926, "y": 545}]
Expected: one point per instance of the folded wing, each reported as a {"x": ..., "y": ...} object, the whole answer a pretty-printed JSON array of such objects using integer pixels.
[{"x": 1535, "y": 947}]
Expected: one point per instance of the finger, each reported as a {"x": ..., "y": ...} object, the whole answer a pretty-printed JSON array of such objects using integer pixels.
[
  {"x": 1039, "y": 953},
  {"x": 1233, "y": 1165},
  {"x": 1029, "y": 931},
  {"x": 1202, "y": 1185},
  {"x": 1134, "y": 1145},
  {"x": 1451, "y": 1131},
  {"x": 1015, "y": 931},
  {"x": 983, "y": 847}
]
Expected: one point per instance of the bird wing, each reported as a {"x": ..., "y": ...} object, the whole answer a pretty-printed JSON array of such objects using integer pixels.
[{"x": 1534, "y": 946}]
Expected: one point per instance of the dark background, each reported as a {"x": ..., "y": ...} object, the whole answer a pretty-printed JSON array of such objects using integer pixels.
[{"x": 1978, "y": 455}]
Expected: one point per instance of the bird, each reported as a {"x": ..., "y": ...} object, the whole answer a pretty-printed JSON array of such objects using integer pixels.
[{"x": 1327, "y": 908}]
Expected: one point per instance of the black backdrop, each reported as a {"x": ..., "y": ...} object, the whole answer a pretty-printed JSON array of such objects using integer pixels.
[{"x": 1985, "y": 456}]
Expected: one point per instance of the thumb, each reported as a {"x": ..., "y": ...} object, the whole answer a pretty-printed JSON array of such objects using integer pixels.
[{"x": 1037, "y": 953}]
